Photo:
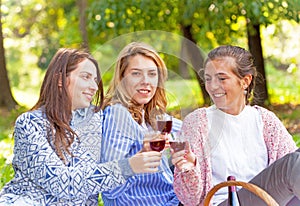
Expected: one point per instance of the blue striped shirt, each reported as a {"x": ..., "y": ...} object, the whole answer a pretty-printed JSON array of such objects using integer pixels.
[{"x": 122, "y": 138}]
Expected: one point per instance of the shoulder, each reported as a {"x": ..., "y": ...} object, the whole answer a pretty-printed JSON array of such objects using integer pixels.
[
  {"x": 265, "y": 113},
  {"x": 29, "y": 123},
  {"x": 35, "y": 116},
  {"x": 196, "y": 115},
  {"x": 196, "y": 120},
  {"x": 116, "y": 108},
  {"x": 117, "y": 114}
]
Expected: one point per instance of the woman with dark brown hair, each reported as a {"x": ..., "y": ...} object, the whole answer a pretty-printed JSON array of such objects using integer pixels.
[
  {"x": 58, "y": 142},
  {"x": 231, "y": 137}
]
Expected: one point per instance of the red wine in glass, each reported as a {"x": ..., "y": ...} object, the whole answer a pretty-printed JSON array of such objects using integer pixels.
[
  {"x": 157, "y": 145},
  {"x": 164, "y": 126},
  {"x": 177, "y": 146}
]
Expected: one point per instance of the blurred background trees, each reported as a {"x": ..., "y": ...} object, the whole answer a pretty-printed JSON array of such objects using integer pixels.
[{"x": 182, "y": 30}]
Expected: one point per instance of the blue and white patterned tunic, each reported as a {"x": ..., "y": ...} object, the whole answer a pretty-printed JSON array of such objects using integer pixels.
[
  {"x": 41, "y": 177},
  {"x": 122, "y": 138}
]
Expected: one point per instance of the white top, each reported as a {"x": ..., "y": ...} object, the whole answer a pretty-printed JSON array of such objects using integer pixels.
[{"x": 237, "y": 146}]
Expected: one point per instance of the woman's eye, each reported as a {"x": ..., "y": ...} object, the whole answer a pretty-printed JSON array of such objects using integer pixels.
[
  {"x": 135, "y": 73},
  {"x": 152, "y": 74},
  {"x": 222, "y": 78},
  {"x": 85, "y": 77}
]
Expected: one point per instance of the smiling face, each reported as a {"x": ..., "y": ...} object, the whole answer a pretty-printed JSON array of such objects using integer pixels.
[
  {"x": 141, "y": 79},
  {"x": 82, "y": 84},
  {"x": 225, "y": 88}
]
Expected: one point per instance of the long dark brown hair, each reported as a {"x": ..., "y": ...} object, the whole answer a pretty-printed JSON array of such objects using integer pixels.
[{"x": 56, "y": 101}]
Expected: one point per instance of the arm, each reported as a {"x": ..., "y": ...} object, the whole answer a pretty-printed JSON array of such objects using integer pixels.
[
  {"x": 122, "y": 138},
  {"x": 278, "y": 140},
  {"x": 192, "y": 186},
  {"x": 35, "y": 159}
]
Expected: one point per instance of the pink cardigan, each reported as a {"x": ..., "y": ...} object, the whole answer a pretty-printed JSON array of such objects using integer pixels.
[{"x": 192, "y": 187}]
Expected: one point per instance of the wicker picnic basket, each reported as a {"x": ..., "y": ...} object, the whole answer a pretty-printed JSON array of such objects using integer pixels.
[{"x": 249, "y": 186}]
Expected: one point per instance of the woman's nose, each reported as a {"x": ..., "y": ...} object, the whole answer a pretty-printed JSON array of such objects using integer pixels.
[
  {"x": 215, "y": 83},
  {"x": 145, "y": 79},
  {"x": 93, "y": 85}
]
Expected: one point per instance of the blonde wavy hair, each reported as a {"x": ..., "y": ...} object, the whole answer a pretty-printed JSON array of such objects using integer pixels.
[{"x": 117, "y": 92}]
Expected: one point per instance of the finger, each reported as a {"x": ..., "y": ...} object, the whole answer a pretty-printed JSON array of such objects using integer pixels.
[
  {"x": 177, "y": 159},
  {"x": 152, "y": 154},
  {"x": 152, "y": 164},
  {"x": 151, "y": 170},
  {"x": 179, "y": 154}
]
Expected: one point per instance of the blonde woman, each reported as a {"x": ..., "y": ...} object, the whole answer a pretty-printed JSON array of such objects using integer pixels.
[{"x": 135, "y": 95}]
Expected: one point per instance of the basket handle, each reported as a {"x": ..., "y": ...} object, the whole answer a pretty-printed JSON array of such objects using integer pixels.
[{"x": 249, "y": 186}]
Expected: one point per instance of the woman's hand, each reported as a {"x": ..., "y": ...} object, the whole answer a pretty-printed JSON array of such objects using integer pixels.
[
  {"x": 184, "y": 159},
  {"x": 145, "y": 162}
]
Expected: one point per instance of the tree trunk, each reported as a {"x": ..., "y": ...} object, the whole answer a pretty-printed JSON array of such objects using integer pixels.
[
  {"x": 195, "y": 56},
  {"x": 254, "y": 42},
  {"x": 82, "y": 5},
  {"x": 183, "y": 66},
  {"x": 6, "y": 98}
]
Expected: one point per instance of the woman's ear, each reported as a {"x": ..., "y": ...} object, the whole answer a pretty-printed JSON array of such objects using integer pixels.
[{"x": 246, "y": 81}]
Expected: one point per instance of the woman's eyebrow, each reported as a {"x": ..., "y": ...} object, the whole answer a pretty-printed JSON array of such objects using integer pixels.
[{"x": 85, "y": 72}]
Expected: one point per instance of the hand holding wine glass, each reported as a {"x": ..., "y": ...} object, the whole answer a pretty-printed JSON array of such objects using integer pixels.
[
  {"x": 154, "y": 141},
  {"x": 177, "y": 141},
  {"x": 145, "y": 162},
  {"x": 182, "y": 156}
]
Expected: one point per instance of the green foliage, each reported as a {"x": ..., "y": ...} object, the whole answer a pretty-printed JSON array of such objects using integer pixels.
[
  {"x": 183, "y": 94},
  {"x": 212, "y": 22},
  {"x": 7, "y": 120},
  {"x": 6, "y": 171},
  {"x": 296, "y": 138},
  {"x": 283, "y": 90},
  {"x": 41, "y": 27}
]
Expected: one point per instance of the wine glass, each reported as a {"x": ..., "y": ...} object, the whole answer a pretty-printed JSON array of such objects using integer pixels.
[
  {"x": 156, "y": 141},
  {"x": 164, "y": 123},
  {"x": 178, "y": 141}
]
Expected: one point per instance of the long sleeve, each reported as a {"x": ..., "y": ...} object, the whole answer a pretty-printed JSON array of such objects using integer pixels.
[
  {"x": 192, "y": 186},
  {"x": 278, "y": 140},
  {"x": 122, "y": 138},
  {"x": 36, "y": 162}
]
